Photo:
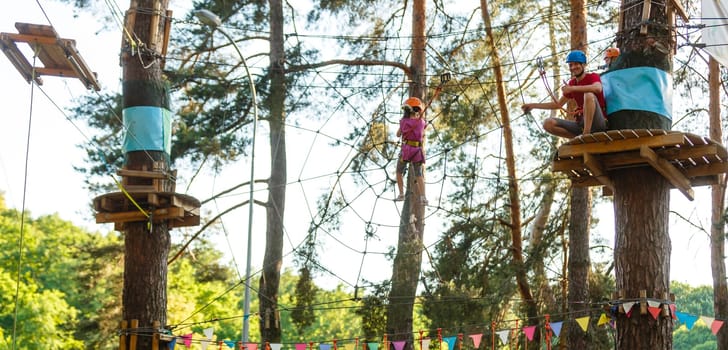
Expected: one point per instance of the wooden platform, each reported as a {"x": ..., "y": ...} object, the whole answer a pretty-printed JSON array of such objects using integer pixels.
[
  {"x": 177, "y": 209},
  {"x": 59, "y": 56},
  {"x": 684, "y": 159},
  {"x": 148, "y": 196}
]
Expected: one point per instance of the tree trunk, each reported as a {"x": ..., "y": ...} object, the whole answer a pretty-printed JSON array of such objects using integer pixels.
[
  {"x": 521, "y": 272},
  {"x": 146, "y": 248},
  {"x": 580, "y": 217},
  {"x": 642, "y": 254},
  {"x": 270, "y": 325},
  {"x": 408, "y": 262},
  {"x": 579, "y": 264},
  {"x": 641, "y": 195},
  {"x": 717, "y": 229}
]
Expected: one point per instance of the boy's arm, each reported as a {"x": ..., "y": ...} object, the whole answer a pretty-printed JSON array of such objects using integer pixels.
[
  {"x": 527, "y": 107},
  {"x": 595, "y": 87}
]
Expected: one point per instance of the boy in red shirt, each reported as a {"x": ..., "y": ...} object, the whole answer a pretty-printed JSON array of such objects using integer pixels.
[{"x": 586, "y": 90}]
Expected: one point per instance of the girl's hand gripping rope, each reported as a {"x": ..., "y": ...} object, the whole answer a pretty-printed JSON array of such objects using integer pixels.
[{"x": 444, "y": 78}]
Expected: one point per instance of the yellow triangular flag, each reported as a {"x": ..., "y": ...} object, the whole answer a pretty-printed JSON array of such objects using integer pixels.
[
  {"x": 583, "y": 322},
  {"x": 603, "y": 319},
  {"x": 707, "y": 320}
]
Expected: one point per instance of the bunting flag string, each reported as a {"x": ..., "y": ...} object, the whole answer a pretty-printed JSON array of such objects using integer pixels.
[{"x": 457, "y": 342}]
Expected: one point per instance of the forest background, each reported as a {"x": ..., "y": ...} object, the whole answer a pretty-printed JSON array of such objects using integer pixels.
[{"x": 334, "y": 134}]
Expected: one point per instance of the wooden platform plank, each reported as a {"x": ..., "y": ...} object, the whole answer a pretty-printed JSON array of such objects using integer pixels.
[
  {"x": 59, "y": 56},
  {"x": 675, "y": 177},
  {"x": 684, "y": 159},
  {"x": 621, "y": 146},
  {"x": 597, "y": 169},
  {"x": 141, "y": 173}
]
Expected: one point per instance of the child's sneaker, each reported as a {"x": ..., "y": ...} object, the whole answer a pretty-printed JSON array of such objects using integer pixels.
[{"x": 399, "y": 198}]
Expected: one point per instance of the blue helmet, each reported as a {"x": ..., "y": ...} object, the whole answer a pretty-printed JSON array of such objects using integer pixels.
[{"x": 577, "y": 56}]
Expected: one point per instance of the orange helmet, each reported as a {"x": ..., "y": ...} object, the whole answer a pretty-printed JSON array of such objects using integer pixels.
[
  {"x": 611, "y": 52},
  {"x": 413, "y": 102}
]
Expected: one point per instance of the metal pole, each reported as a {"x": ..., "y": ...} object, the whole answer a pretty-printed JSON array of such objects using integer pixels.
[{"x": 213, "y": 20}]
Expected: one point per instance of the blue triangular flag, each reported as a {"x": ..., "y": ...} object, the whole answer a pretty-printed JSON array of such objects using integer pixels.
[
  {"x": 450, "y": 342},
  {"x": 556, "y": 327}
]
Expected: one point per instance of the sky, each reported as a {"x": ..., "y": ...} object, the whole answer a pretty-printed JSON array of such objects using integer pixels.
[{"x": 39, "y": 147}]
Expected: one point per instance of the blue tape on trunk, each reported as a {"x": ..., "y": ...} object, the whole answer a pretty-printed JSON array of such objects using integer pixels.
[
  {"x": 147, "y": 129},
  {"x": 638, "y": 88}
]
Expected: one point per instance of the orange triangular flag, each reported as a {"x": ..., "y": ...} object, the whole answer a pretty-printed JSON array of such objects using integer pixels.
[
  {"x": 583, "y": 322},
  {"x": 654, "y": 311}
]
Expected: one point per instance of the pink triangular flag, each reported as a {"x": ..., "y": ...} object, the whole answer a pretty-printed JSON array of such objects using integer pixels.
[
  {"x": 399, "y": 344},
  {"x": 529, "y": 331},
  {"x": 251, "y": 346},
  {"x": 654, "y": 311},
  {"x": 476, "y": 340},
  {"x": 715, "y": 327},
  {"x": 300, "y": 346},
  {"x": 187, "y": 339}
]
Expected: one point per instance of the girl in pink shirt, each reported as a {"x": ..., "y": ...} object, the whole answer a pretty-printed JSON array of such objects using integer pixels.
[{"x": 412, "y": 130}]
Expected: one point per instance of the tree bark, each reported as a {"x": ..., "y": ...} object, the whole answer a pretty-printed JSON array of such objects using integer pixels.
[
  {"x": 578, "y": 265},
  {"x": 145, "y": 247},
  {"x": 407, "y": 263},
  {"x": 717, "y": 229},
  {"x": 642, "y": 254},
  {"x": 270, "y": 325}
]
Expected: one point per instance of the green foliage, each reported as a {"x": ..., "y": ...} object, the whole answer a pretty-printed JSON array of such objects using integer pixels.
[
  {"x": 692, "y": 300},
  {"x": 373, "y": 311},
  {"x": 302, "y": 315},
  {"x": 699, "y": 337}
]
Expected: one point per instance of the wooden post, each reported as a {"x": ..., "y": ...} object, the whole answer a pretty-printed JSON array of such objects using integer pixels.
[
  {"x": 123, "y": 335},
  {"x": 646, "y": 7},
  {"x": 155, "y": 335},
  {"x": 133, "y": 338}
]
